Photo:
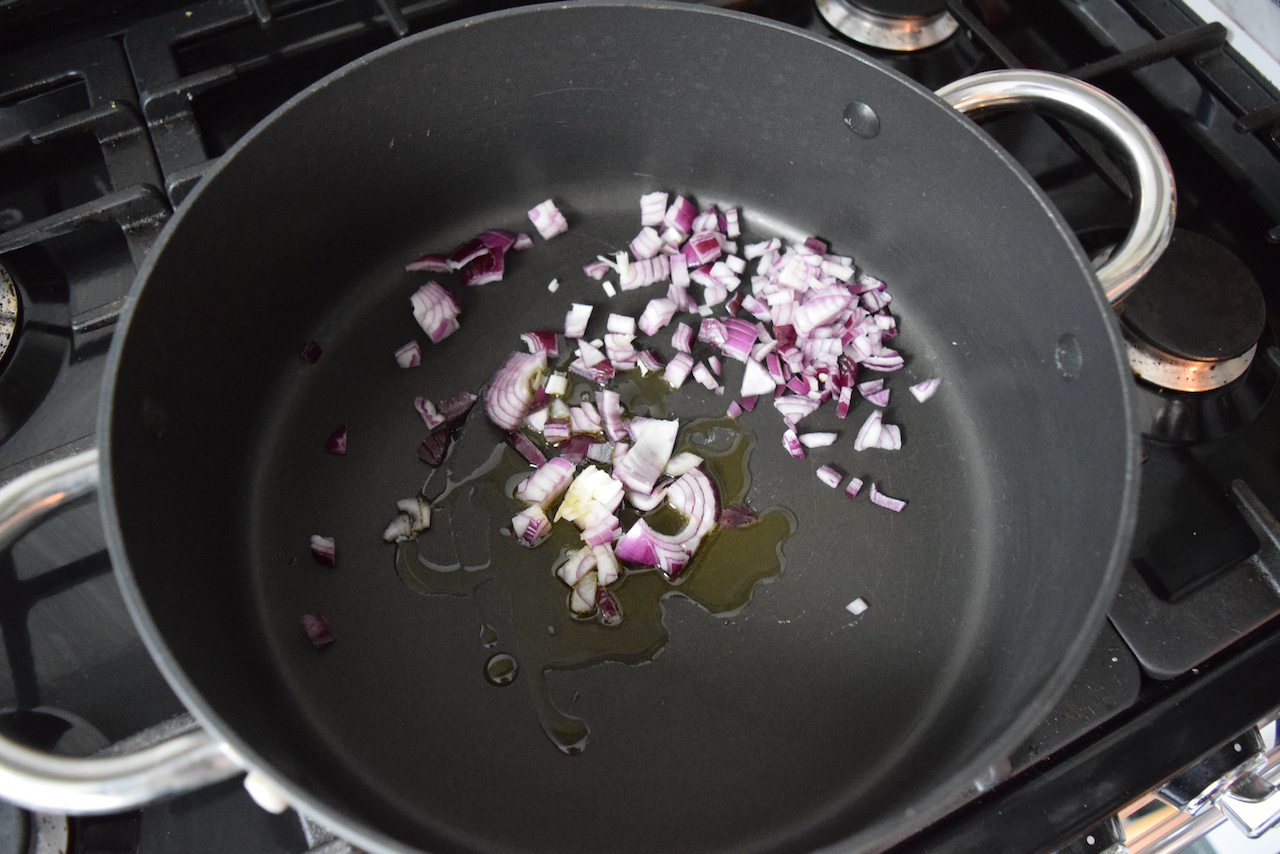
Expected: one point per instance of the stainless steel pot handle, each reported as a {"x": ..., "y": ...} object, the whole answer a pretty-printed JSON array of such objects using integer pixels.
[
  {"x": 59, "y": 784},
  {"x": 1096, "y": 111}
]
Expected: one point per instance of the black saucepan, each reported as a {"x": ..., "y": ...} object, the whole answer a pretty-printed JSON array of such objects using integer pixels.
[{"x": 784, "y": 725}]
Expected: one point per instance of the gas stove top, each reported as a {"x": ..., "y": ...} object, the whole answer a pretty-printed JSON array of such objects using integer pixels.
[{"x": 111, "y": 113}]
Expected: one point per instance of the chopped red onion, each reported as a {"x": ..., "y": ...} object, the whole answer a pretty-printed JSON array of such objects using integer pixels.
[
  {"x": 574, "y": 449},
  {"x": 924, "y": 390},
  {"x": 317, "y": 629},
  {"x": 583, "y": 598},
  {"x": 580, "y": 562},
  {"x": 652, "y": 207},
  {"x": 436, "y": 311},
  {"x": 869, "y": 434},
  {"x": 855, "y": 484},
  {"x": 829, "y": 476},
  {"x": 322, "y": 549},
  {"x": 525, "y": 448},
  {"x": 607, "y": 569},
  {"x": 681, "y": 463},
  {"x": 878, "y": 497},
  {"x": 543, "y": 339},
  {"x": 657, "y": 314},
  {"x": 509, "y": 394},
  {"x": 547, "y": 483},
  {"x": 466, "y": 252},
  {"x": 890, "y": 437},
  {"x": 682, "y": 338},
  {"x": 818, "y": 440},
  {"x": 430, "y": 416},
  {"x": 522, "y": 242},
  {"x": 879, "y": 398},
  {"x": 857, "y": 606},
  {"x": 870, "y": 387},
  {"x": 548, "y": 220},
  {"x": 677, "y": 370},
  {"x": 531, "y": 526},
  {"x": 794, "y": 407},
  {"x": 649, "y": 361},
  {"x": 596, "y": 269},
  {"x": 431, "y": 263},
  {"x": 312, "y": 352},
  {"x": 418, "y": 511},
  {"x": 842, "y": 405},
  {"x": 703, "y": 375},
  {"x": 646, "y": 244},
  {"x": 457, "y": 407},
  {"x": 483, "y": 269},
  {"x": 337, "y": 441},
  {"x": 736, "y": 516},
  {"x": 410, "y": 355},
  {"x": 680, "y": 215},
  {"x": 610, "y": 613},
  {"x": 575, "y": 322},
  {"x": 792, "y": 443},
  {"x": 652, "y": 441}
]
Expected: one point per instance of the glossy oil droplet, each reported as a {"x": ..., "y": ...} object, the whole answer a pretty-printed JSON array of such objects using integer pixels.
[{"x": 501, "y": 669}]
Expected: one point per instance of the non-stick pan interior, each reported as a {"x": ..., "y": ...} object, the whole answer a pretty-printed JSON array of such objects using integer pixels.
[{"x": 787, "y": 725}]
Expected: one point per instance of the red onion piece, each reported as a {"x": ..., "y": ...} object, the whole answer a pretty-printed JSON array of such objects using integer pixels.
[
  {"x": 337, "y": 441},
  {"x": 879, "y": 398},
  {"x": 846, "y": 397},
  {"x": 607, "y": 569},
  {"x": 430, "y": 263},
  {"x": 485, "y": 268},
  {"x": 323, "y": 550},
  {"x": 680, "y": 215},
  {"x": 649, "y": 361},
  {"x": 652, "y": 441},
  {"x": 466, "y": 252},
  {"x": 548, "y": 220},
  {"x": 542, "y": 339},
  {"x": 583, "y": 598},
  {"x": 317, "y": 629},
  {"x": 436, "y": 311},
  {"x": 829, "y": 476},
  {"x": 736, "y": 516},
  {"x": 580, "y": 562},
  {"x": 312, "y": 352},
  {"x": 607, "y": 608},
  {"x": 677, "y": 370},
  {"x": 531, "y": 526},
  {"x": 854, "y": 485},
  {"x": 925, "y": 389},
  {"x": 682, "y": 338},
  {"x": 410, "y": 355},
  {"x": 646, "y": 244},
  {"x": 508, "y": 396},
  {"x": 792, "y": 444},
  {"x": 574, "y": 449},
  {"x": 522, "y": 242},
  {"x": 597, "y": 269},
  {"x": 575, "y": 322},
  {"x": 547, "y": 483},
  {"x": 652, "y": 208},
  {"x": 818, "y": 440},
  {"x": 878, "y": 497},
  {"x": 869, "y": 434},
  {"x": 857, "y": 606},
  {"x": 657, "y": 314}
]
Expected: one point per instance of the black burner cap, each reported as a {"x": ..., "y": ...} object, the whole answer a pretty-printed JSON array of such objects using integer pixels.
[{"x": 1198, "y": 302}]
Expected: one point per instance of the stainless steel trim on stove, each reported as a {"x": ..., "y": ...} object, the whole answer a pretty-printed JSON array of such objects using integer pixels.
[
  {"x": 1171, "y": 372},
  {"x": 103, "y": 784},
  {"x": 1100, "y": 113},
  {"x": 897, "y": 34}
]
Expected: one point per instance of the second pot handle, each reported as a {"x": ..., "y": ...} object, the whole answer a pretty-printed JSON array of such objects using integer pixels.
[
  {"x": 1089, "y": 107},
  {"x": 60, "y": 784}
]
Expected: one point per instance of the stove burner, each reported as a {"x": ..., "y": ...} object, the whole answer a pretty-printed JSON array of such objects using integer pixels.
[
  {"x": 1193, "y": 323},
  {"x": 897, "y": 25},
  {"x": 8, "y": 312}
]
